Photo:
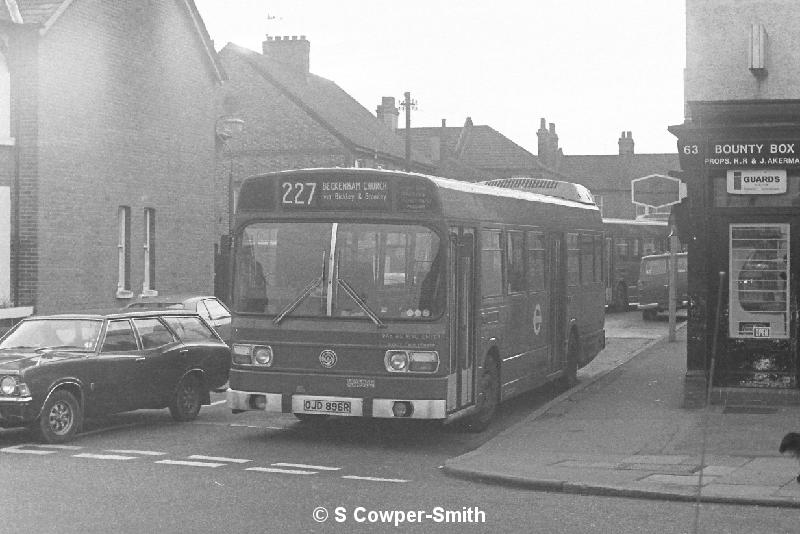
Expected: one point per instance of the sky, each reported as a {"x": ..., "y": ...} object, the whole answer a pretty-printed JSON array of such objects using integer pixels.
[{"x": 594, "y": 68}]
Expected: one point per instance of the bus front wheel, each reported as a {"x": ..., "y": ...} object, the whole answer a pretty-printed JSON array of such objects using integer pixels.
[{"x": 488, "y": 398}]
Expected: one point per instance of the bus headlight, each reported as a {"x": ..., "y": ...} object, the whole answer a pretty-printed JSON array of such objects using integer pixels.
[
  {"x": 252, "y": 355},
  {"x": 396, "y": 361},
  {"x": 415, "y": 361}
]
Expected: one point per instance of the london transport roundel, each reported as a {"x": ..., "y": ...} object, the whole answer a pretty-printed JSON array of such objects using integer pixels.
[{"x": 327, "y": 358}]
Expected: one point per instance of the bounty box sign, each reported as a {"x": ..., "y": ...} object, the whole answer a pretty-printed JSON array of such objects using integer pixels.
[{"x": 756, "y": 181}]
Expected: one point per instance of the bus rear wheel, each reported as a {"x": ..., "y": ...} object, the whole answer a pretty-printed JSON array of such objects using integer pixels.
[{"x": 488, "y": 399}]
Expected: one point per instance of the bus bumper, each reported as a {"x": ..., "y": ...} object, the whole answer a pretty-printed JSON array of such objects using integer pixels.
[{"x": 241, "y": 401}]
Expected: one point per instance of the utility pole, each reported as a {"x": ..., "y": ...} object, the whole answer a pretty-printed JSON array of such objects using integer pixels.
[
  {"x": 673, "y": 279},
  {"x": 408, "y": 105}
]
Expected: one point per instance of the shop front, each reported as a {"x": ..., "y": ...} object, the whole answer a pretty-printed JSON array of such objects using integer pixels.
[{"x": 741, "y": 163}]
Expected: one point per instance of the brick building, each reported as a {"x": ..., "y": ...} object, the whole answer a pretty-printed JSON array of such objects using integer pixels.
[
  {"x": 474, "y": 152},
  {"x": 296, "y": 119},
  {"x": 107, "y": 116},
  {"x": 608, "y": 176}
]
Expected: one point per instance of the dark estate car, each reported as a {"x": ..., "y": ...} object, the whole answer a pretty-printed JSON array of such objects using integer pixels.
[
  {"x": 654, "y": 284},
  {"x": 56, "y": 369},
  {"x": 208, "y": 307}
]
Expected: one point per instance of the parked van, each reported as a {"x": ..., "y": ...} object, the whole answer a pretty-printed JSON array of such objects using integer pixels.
[{"x": 654, "y": 284}]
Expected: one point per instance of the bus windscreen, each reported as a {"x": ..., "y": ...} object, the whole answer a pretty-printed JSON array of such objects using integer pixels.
[{"x": 329, "y": 269}]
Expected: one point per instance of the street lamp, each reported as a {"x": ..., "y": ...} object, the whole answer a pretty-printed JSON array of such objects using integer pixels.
[{"x": 227, "y": 128}]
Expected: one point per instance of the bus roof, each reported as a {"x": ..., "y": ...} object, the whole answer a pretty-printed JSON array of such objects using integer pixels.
[
  {"x": 364, "y": 191},
  {"x": 545, "y": 186},
  {"x": 634, "y": 222}
]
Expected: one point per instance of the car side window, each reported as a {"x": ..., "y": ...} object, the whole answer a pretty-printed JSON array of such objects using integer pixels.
[
  {"x": 202, "y": 311},
  {"x": 190, "y": 329},
  {"x": 153, "y": 333},
  {"x": 216, "y": 310},
  {"x": 119, "y": 337}
]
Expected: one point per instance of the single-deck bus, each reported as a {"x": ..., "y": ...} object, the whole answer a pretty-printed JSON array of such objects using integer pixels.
[
  {"x": 373, "y": 293},
  {"x": 626, "y": 241}
]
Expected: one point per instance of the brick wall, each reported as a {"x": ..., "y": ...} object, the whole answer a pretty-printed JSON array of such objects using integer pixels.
[{"x": 126, "y": 117}]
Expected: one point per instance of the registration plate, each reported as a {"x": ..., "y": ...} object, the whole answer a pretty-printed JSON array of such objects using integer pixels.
[{"x": 327, "y": 406}]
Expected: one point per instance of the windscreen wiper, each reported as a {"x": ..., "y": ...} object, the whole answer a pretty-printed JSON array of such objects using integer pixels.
[
  {"x": 361, "y": 302},
  {"x": 296, "y": 302}
]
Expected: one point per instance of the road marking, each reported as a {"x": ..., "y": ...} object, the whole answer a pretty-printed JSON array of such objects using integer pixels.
[
  {"x": 16, "y": 449},
  {"x": 192, "y": 464},
  {"x": 306, "y": 466},
  {"x": 374, "y": 479},
  {"x": 104, "y": 456},
  {"x": 219, "y": 459},
  {"x": 142, "y": 453},
  {"x": 223, "y": 401},
  {"x": 276, "y": 470},
  {"x": 62, "y": 447}
]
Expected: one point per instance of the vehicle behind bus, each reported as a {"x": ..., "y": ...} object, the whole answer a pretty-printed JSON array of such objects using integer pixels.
[{"x": 654, "y": 284}]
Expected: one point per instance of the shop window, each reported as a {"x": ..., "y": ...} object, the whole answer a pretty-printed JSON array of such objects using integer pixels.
[{"x": 759, "y": 281}]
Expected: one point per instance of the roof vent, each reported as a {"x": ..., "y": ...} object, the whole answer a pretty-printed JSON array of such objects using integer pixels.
[{"x": 544, "y": 186}]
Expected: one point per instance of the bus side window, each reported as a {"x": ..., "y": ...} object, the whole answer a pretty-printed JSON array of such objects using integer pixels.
[{"x": 491, "y": 263}]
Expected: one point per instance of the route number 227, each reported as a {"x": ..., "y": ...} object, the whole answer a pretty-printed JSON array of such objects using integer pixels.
[{"x": 298, "y": 193}]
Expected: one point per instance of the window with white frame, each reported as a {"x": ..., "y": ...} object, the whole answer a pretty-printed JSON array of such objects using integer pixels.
[
  {"x": 149, "y": 284},
  {"x": 124, "y": 252}
]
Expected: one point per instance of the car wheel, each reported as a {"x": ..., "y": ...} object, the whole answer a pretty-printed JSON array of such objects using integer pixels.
[
  {"x": 186, "y": 402},
  {"x": 61, "y": 418},
  {"x": 488, "y": 399}
]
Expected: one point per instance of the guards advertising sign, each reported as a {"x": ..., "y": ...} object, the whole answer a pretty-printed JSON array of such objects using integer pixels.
[{"x": 757, "y": 181}]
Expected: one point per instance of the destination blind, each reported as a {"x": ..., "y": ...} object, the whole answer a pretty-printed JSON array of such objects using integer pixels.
[{"x": 355, "y": 193}]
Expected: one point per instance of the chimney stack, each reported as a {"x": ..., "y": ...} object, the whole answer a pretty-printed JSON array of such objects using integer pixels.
[
  {"x": 387, "y": 112},
  {"x": 548, "y": 151},
  {"x": 292, "y": 51},
  {"x": 626, "y": 144}
]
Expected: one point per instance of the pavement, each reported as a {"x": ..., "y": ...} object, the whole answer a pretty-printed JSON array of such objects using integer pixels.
[{"x": 624, "y": 431}]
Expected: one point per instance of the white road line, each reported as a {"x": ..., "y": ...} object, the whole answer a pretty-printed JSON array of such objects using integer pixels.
[
  {"x": 104, "y": 456},
  {"x": 275, "y": 470},
  {"x": 16, "y": 450},
  {"x": 63, "y": 447},
  {"x": 219, "y": 459},
  {"x": 306, "y": 466},
  {"x": 142, "y": 453},
  {"x": 374, "y": 479},
  {"x": 192, "y": 464},
  {"x": 223, "y": 401}
]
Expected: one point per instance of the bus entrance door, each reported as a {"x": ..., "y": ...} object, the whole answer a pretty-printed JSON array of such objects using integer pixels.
[
  {"x": 556, "y": 284},
  {"x": 461, "y": 389}
]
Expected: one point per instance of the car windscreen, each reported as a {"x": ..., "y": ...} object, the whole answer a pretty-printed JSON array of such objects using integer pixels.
[{"x": 80, "y": 334}]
